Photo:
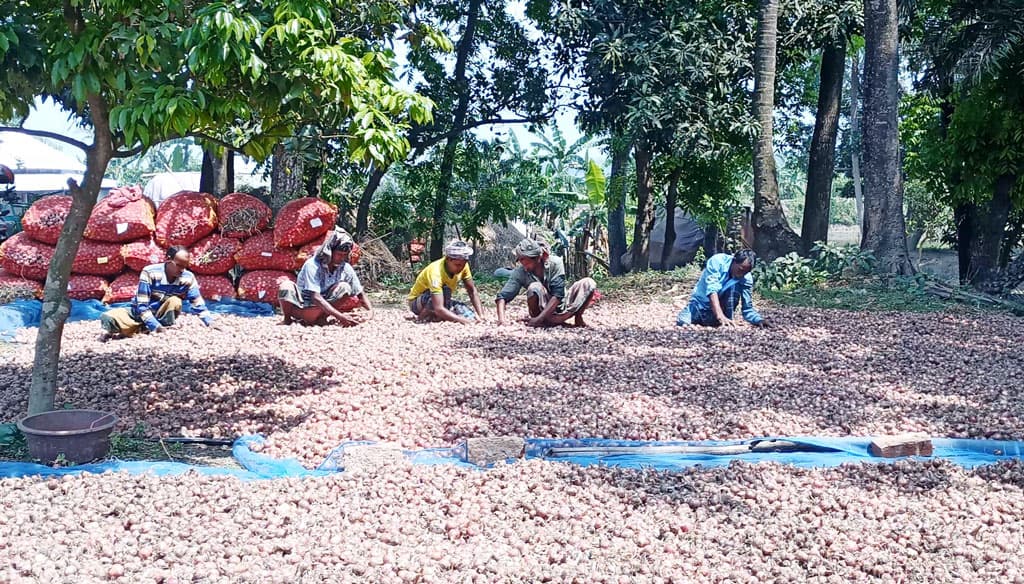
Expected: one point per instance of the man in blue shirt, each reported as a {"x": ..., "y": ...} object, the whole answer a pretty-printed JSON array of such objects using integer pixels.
[
  {"x": 158, "y": 300},
  {"x": 724, "y": 283}
]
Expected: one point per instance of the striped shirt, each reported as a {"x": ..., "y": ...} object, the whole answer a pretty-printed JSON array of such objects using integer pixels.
[{"x": 154, "y": 289}]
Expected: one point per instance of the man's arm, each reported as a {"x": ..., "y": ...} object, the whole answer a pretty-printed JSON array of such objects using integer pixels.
[
  {"x": 437, "y": 305},
  {"x": 545, "y": 314},
  {"x": 197, "y": 304},
  {"x": 326, "y": 306},
  {"x": 716, "y": 309},
  {"x": 507, "y": 293},
  {"x": 142, "y": 302},
  {"x": 474, "y": 298},
  {"x": 750, "y": 314}
]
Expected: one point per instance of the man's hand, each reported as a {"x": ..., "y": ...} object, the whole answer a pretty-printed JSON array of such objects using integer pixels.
[
  {"x": 726, "y": 322},
  {"x": 160, "y": 329},
  {"x": 535, "y": 322},
  {"x": 501, "y": 322},
  {"x": 762, "y": 324}
]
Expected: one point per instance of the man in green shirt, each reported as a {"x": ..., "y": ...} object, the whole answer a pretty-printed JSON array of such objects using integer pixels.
[{"x": 543, "y": 276}]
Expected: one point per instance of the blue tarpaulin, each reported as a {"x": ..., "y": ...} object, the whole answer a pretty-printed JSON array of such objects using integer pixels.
[
  {"x": 26, "y": 313},
  {"x": 810, "y": 452}
]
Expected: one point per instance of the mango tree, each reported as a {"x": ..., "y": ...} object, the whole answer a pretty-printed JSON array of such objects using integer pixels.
[{"x": 240, "y": 74}]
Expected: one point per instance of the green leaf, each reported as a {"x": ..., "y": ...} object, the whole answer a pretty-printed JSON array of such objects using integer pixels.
[{"x": 596, "y": 184}]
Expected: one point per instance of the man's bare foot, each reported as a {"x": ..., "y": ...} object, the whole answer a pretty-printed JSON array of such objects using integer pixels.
[
  {"x": 286, "y": 322},
  {"x": 578, "y": 322},
  {"x": 104, "y": 337}
]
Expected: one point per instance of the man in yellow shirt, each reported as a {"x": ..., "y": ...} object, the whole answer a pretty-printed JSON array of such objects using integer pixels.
[{"x": 431, "y": 294}]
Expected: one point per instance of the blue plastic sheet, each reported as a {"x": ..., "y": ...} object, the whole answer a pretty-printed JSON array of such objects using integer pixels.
[
  {"x": 818, "y": 452},
  {"x": 26, "y": 313}
]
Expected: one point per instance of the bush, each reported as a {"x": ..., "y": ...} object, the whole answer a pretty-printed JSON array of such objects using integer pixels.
[
  {"x": 787, "y": 272},
  {"x": 834, "y": 259}
]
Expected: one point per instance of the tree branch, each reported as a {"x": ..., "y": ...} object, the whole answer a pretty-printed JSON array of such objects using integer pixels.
[
  {"x": 127, "y": 153},
  {"x": 44, "y": 134}
]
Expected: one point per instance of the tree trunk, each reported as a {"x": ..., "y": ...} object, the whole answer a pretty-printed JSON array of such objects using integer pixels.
[
  {"x": 286, "y": 181},
  {"x": 644, "y": 210},
  {"x": 444, "y": 183},
  {"x": 1015, "y": 229},
  {"x": 980, "y": 228},
  {"x": 56, "y": 306},
  {"x": 858, "y": 194},
  {"x": 217, "y": 176},
  {"x": 366, "y": 200},
  {"x": 712, "y": 237},
  {"x": 671, "y": 196},
  {"x": 772, "y": 235},
  {"x": 616, "y": 201},
  {"x": 885, "y": 233},
  {"x": 821, "y": 166}
]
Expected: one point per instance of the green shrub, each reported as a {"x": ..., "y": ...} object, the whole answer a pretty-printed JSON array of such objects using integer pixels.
[
  {"x": 833, "y": 259},
  {"x": 787, "y": 272}
]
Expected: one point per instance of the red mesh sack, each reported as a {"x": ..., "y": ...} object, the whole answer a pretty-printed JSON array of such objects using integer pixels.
[
  {"x": 242, "y": 215},
  {"x": 45, "y": 218},
  {"x": 216, "y": 287},
  {"x": 98, "y": 259},
  {"x": 259, "y": 253},
  {"x": 139, "y": 254},
  {"x": 214, "y": 255},
  {"x": 25, "y": 257},
  {"x": 123, "y": 215},
  {"x": 307, "y": 251},
  {"x": 87, "y": 287},
  {"x": 185, "y": 218},
  {"x": 262, "y": 285},
  {"x": 123, "y": 288},
  {"x": 302, "y": 221},
  {"x": 12, "y": 287}
]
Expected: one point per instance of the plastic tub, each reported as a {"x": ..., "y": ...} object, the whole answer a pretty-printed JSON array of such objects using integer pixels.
[{"x": 79, "y": 435}]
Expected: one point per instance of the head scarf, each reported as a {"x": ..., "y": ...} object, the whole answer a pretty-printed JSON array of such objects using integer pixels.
[
  {"x": 458, "y": 250},
  {"x": 529, "y": 248},
  {"x": 335, "y": 239}
]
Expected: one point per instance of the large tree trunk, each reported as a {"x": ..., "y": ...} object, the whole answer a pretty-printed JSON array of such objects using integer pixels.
[
  {"x": 618, "y": 191},
  {"x": 980, "y": 228},
  {"x": 218, "y": 171},
  {"x": 772, "y": 235},
  {"x": 640, "y": 249},
  {"x": 671, "y": 196},
  {"x": 885, "y": 233},
  {"x": 366, "y": 200},
  {"x": 56, "y": 306},
  {"x": 858, "y": 193},
  {"x": 821, "y": 166},
  {"x": 286, "y": 181},
  {"x": 444, "y": 186}
]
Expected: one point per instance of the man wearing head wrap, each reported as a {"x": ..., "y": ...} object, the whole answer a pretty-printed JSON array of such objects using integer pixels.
[
  {"x": 543, "y": 276},
  {"x": 327, "y": 287},
  {"x": 431, "y": 294},
  {"x": 724, "y": 283}
]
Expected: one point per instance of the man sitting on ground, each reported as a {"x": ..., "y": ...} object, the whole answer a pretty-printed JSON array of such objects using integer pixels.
[
  {"x": 431, "y": 294},
  {"x": 158, "y": 301},
  {"x": 725, "y": 282},
  {"x": 327, "y": 287},
  {"x": 543, "y": 276}
]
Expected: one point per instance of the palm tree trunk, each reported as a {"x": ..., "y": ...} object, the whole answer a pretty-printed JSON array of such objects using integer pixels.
[
  {"x": 885, "y": 233},
  {"x": 772, "y": 235},
  {"x": 821, "y": 165}
]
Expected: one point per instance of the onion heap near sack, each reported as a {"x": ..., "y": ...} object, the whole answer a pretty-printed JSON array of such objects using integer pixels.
[
  {"x": 214, "y": 255},
  {"x": 13, "y": 287},
  {"x": 98, "y": 259},
  {"x": 45, "y": 218},
  {"x": 242, "y": 215},
  {"x": 87, "y": 287},
  {"x": 123, "y": 288},
  {"x": 123, "y": 215},
  {"x": 303, "y": 220},
  {"x": 262, "y": 285},
  {"x": 185, "y": 218},
  {"x": 260, "y": 253},
  {"x": 25, "y": 257},
  {"x": 215, "y": 288},
  {"x": 139, "y": 254}
]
